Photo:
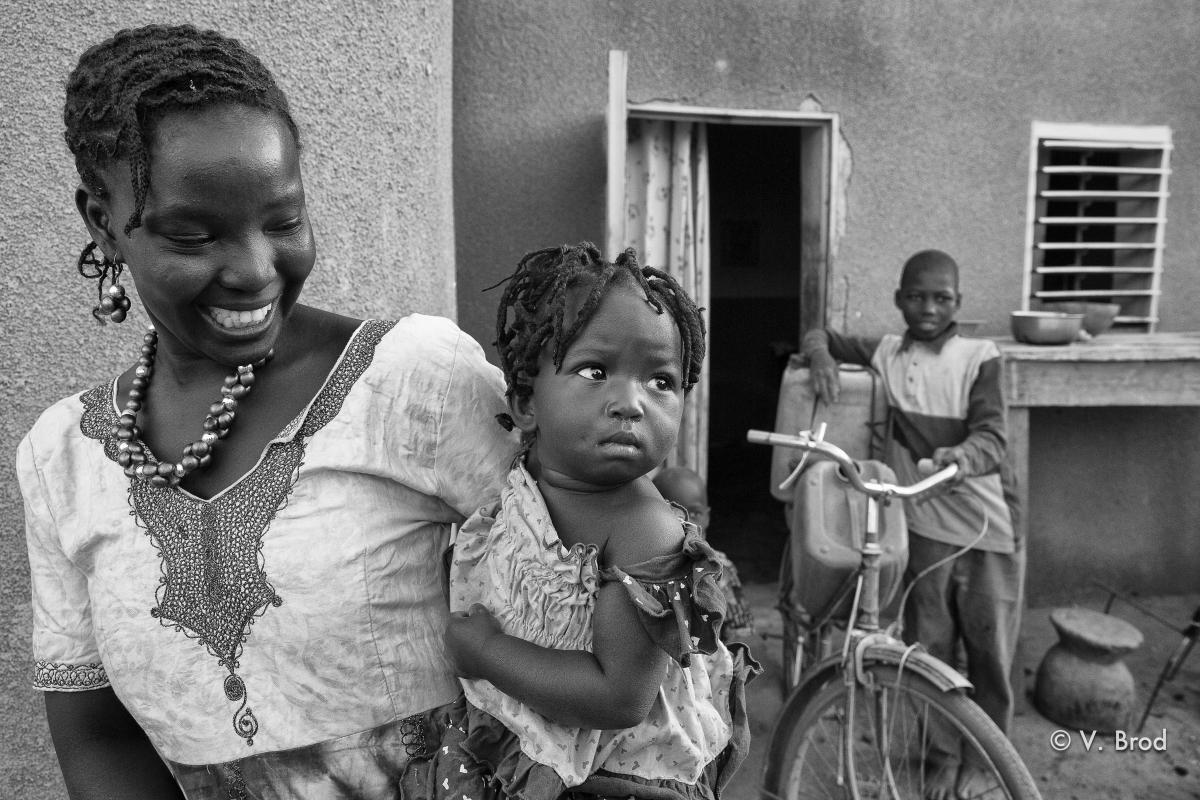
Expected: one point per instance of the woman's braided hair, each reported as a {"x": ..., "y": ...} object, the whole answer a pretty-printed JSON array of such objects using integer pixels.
[
  {"x": 123, "y": 86},
  {"x": 537, "y": 292}
]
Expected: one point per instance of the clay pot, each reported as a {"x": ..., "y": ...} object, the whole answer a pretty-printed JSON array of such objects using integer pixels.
[{"x": 1082, "y": 683}]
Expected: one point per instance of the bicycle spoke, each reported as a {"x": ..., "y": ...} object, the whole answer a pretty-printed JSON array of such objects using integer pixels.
[
  {"x": 822, "y": 752},
  {"x": 905, "y": 742}
]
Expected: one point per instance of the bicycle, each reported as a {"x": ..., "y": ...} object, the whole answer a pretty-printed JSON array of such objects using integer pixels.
[{"x": 881, "y": 719}]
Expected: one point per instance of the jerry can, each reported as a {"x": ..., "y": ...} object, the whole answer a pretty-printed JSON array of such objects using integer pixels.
[
  {"x": 855, "y": 423},
  {"x": 828, "y": 521}
]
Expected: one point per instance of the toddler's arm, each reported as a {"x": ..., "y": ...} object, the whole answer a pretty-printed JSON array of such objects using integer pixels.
[
  {"x": 615, "y": 685},
  {"x": 824, "y": 348}
]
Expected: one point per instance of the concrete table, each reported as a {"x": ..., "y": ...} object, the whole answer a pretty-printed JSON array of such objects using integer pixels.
[{"x": 1114, "y": 369}]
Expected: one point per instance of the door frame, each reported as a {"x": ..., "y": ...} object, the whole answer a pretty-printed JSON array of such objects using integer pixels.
[{"x": 819, "y": 139}]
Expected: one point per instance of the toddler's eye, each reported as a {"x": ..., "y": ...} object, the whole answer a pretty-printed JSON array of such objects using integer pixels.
[
  {"x": 662, "y": 383},
  {"x": 591, "y": 373}
]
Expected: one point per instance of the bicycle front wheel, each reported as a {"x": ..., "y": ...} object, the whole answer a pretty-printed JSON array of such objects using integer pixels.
[{"x": 903, "y": 741}]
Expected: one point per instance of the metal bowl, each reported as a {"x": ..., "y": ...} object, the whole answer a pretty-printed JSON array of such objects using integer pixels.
[
  {"x": 1097, "y": 317},
  {"x": 1046, "y": 327}
]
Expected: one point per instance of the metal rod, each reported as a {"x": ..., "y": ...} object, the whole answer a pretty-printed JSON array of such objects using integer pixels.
[{"x": 1114, "y": 593}]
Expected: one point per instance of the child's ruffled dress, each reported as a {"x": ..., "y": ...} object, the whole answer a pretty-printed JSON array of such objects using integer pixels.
[{"x": 509, "y": 558}]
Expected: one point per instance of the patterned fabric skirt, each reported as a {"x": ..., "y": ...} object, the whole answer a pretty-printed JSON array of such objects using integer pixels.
[{"x": 367, "y": 765}]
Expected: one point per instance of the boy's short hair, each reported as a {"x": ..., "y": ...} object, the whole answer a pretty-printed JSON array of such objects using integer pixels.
[
  {"x": 927, "y": 260},
  {"x": 671, "y": 480}
]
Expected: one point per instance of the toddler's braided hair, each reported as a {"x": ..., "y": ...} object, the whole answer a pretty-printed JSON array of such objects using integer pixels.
[
  {"x": 537, "y": 293},
  {"x": 123, "y": 86}
]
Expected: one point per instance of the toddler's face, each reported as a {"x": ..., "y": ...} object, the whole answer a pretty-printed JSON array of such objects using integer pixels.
[
  {"x": 928, "y": 300},
  {"x": 612, "y": 412}
]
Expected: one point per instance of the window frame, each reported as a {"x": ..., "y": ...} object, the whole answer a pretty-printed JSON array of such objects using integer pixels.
[{"x": 1101, "y": 137}]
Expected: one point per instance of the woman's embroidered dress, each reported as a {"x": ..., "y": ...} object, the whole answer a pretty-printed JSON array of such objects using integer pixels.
[{"x": 284, "y": 636}]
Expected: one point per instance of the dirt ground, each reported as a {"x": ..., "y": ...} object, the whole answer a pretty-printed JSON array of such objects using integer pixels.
[{"x": 1075, "y": 773}]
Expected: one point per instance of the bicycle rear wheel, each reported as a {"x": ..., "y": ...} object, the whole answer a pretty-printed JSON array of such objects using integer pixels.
[{"x": 904, "y": 740}]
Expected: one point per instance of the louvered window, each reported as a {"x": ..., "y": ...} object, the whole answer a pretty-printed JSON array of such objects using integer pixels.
[{"x": 1096, "y": 219}]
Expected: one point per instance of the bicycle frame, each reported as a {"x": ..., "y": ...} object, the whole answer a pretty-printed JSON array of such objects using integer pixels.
[{"x": 865, "y": 642}]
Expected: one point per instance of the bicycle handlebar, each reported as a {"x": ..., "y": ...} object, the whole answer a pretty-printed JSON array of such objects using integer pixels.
[{"x": 871, "y": 488}]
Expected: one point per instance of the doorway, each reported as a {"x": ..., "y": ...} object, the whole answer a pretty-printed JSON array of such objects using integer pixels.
[
  {"x": 754, "y": 325},
  {"x": 752, "y": 243}
]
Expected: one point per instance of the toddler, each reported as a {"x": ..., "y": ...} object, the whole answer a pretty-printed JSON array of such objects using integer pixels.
[{"x": 586, "y": 614}]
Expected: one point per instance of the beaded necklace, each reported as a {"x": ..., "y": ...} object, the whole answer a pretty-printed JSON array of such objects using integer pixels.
[{"x": 132, "y": 455}]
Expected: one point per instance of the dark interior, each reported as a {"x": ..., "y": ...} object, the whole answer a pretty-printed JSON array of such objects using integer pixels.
[{"x": 754, "y": 321}]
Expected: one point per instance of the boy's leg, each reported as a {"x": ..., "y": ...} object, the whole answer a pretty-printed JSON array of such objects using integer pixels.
[
  {"x": 990, "y": 617},
  {"x": 930, "y": 618}
]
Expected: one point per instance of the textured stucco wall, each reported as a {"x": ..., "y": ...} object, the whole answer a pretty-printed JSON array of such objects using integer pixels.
[
  {"x": 936, "y": 100},
  {"x": 370, "y": 86},
  {"x": 1115, "y": 500}
]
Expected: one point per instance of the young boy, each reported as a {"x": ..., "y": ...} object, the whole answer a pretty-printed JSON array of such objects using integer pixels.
[
  {"x": 945, "y": 403},
  {"x": 685, "y": 488}
]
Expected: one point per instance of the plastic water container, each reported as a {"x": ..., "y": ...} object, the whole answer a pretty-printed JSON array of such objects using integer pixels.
[
  {"x": 828, "y": 523},
  {"x": 854, "y": 422}
]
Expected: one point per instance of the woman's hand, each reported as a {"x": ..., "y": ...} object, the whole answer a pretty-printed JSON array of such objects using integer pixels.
[{"x": 466, "y": 639}]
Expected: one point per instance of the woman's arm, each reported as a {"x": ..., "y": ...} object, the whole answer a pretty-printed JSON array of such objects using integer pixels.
[{"x": 103, "y": 752}]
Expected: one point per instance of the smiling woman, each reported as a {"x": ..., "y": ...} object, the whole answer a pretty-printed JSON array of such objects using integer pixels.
[{"x": 159, "y": 531}]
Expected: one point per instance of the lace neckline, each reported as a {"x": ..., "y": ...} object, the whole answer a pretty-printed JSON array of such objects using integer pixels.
[
  {"x": 214, "y": 581},
  {"x": 289, "y": 431}
]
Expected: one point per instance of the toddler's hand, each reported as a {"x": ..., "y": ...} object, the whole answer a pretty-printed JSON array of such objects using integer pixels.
[
  {"x": 466, "y": 637},
  {"x": 945, "y": 456},
  {"x": 823, "y": 376}
]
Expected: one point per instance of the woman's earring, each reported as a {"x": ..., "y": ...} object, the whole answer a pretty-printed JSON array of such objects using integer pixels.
[{"x": 113, "y": 303}]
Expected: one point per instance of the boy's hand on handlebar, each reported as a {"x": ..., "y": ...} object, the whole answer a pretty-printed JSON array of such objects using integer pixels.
[
  {"x": 823, "y": 376},
  {"x": 467, "y": 634},
  {"x": 945, "y": 456}
]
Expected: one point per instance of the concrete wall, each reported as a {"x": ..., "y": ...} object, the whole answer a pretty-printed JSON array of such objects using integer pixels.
[
  {"x": 936, "y": 100},
  {"x": 370, "y": 86},
  {"x": 1114, "y": 500}
]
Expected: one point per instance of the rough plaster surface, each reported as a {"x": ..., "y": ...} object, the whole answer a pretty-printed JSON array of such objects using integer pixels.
[
  {"x": 936, "y": 100},
  {"x": 1120, "y": 507},
  {"x": 370, "y": 87}
]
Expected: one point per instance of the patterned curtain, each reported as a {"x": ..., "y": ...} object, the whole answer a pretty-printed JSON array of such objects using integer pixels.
[{"x": 666, "y": 204}]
